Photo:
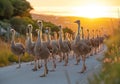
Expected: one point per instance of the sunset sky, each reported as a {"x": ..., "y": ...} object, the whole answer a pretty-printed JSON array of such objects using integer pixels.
[{"x": 83, "y": 8}]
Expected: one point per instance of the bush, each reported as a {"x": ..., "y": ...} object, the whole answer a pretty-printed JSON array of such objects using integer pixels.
[
  {"x": 110, "y": 73},
  {"x": 7, "y": 57}
]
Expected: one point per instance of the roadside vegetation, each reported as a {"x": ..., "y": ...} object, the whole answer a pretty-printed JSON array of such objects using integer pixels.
[
  {"x": 110, "y": 73},
  {"x": 18, "y": 17}
]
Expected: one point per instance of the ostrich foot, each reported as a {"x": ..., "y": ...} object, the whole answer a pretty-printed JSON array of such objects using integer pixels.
[
  {"x": 76, "y": 64},
  {"x": 52, "y": 70},
  {"x": 47, "y": 71},
  {"x": 54, "y": 65},
  {"x": 65, "y": 64},
  {"x": 43, "y": 75},
  {"x": 91, "y": 54},
  {"x": 84, "y": 69},
  {"x": 18, "y": 67},
  {"x": 31, "y": 63},
  {"x": 63, "y": 58},
  {"x": 60, "y": 60},
  {"x": 34, "y": 69},
  {"x": 39, "y": 66}
]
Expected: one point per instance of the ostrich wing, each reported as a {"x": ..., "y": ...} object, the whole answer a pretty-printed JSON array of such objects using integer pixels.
[{"x": 18, "y": 49}]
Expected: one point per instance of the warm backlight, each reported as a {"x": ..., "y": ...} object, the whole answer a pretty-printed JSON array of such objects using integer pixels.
[{"x": 90, "y": 11}]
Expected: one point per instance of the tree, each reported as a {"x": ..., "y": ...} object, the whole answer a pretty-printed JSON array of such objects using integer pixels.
[
  {"x": 21, "y": 7},
  {"x": 53, "y": 27},
  {"x": 20, "y": 23},
  {"x": 6, "y": 9}
]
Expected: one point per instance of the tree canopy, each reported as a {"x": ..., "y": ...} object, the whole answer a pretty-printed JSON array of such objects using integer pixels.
[
  {"x": 17, "y": 14},
  {"x": 11, "y": 8},
  {"x": 21, "y": 7},
  {"x": 6, "y": 9}
]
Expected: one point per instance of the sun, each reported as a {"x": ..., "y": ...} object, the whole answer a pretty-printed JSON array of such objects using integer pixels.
[{"x": 90, "y": 11}]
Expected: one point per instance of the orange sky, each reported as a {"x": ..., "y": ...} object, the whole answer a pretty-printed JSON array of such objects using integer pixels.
[{"x": 83, "y": 8}]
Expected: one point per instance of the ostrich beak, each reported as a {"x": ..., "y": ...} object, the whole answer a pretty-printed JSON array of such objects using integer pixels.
[
  {"x": 37, "y": 30},
  {"x": 60, "y": 27},
  {"x": 30, "y": 25},
  {"x": 77, "y": 21},
  {"x": 12, "y": 30},
  {"x": 39, "y": 22}
]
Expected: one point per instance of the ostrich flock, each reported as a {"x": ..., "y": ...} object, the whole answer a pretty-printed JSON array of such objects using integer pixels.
[{"x": 80, "y": 47}]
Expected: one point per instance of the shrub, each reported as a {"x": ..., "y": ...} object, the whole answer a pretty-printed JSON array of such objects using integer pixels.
[{"x": 110, "y": 73}]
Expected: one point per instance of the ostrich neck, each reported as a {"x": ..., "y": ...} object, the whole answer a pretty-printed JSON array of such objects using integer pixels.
[
  {"x": 30, "y": 37},
  {"x": 77, "y": 39},
  {"x": 30, "y": 34},
  {"x": 88, "y": 35},
  {"x": 93, "y": 35},
  {"x": 60, "y": 39},
  {"x": 78, "y": 28},
  {"x": 40, "y": 33},
  {"x": 39, "y": 36},
  {"x": 48, "y": 37},
  {"x": 82, "y": 35},
  {"x": 13, "y": 36}
]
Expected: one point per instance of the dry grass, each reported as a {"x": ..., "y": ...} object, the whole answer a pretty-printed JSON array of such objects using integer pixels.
[
  {"x": 7, "y": 57},
  {"x": 110, "y": 73}
]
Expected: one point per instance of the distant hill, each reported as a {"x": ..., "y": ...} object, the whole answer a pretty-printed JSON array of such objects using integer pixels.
[{"x": 106, "y": 23}]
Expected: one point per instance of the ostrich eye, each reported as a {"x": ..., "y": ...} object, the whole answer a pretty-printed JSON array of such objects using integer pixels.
[{"x": 39, "y": 22}]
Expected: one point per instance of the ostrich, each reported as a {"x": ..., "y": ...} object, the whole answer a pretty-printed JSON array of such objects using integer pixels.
[
  {"x": 17, "y": 48},
  {"x": 87, "y": 41},
  {"x": 74, "y": 42},
  {"x": 80, "y": 47},
  {"x": 55, "y": 41},
  {"x": 64, "y": 47},
  {"x": 41, "y": 49},
  {"x": 29, "y": 43},
  {"x": 55, "y": 48},
  {"x": 93, "y": 43},
  {"x": 101, "y": 39},
  {"x": 96, "y": 42}
]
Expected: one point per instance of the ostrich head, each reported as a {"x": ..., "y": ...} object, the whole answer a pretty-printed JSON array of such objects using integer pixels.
[
  {"x": 38, "y": 31},
  {"x": 40, "y": 24},
  {"x": 30, "y": 27},
  {"x": 82, "y": 28},
  {"x": 13, "y": 34},
  {"x": 13, "y": 31},
  {"x": 48, "y": 30},
  {"x": 60, "y": 28},
  {"x": 77, "y": 21},
  {"x": 87, "y": 30}
]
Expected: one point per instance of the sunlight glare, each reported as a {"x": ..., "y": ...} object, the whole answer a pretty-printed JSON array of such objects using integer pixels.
[{"x": 90, "y": 11}]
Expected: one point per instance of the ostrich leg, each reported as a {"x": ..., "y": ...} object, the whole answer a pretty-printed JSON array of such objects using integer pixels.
[
  {"x": 39, "y": 63},
  {"x": 60, "y": 54},
  {"x": 19, "y": 62},
  {"x": 83, "y": 66},
  {"x": 35, "y": 64},
  {"x": 31, "y": 60},
  {"x": 53, "y": 62},
  {"x": 66, "y": 60},
  {"x": 77, "y": 60},
  {"x": 45, "y": 69}
]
